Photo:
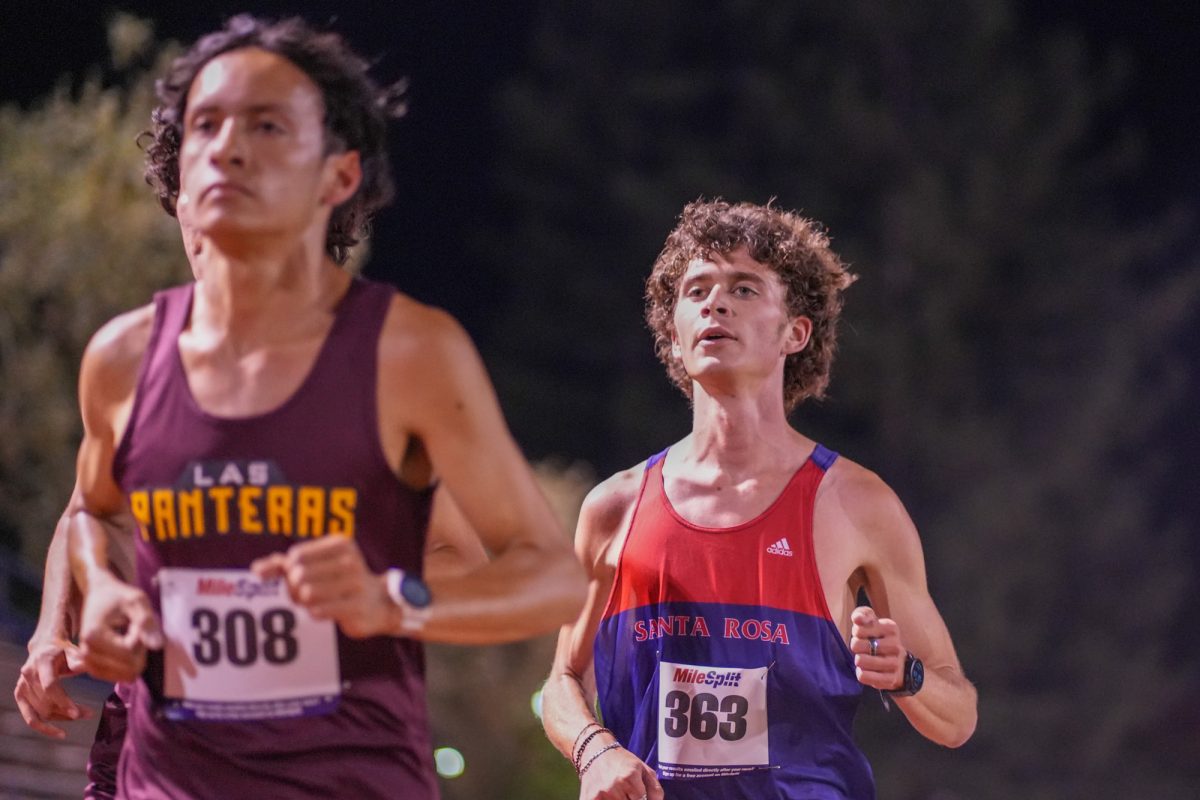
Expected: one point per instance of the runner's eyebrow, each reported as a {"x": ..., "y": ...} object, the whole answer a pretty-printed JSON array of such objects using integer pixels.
[
  {"x": 710, "y": 273},
  {"x": 257, "y": 108}
]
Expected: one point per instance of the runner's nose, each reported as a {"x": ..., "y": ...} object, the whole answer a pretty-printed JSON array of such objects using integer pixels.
[
  {"x": 227, "y": 144},
  {"x": 715, "y": 303}
]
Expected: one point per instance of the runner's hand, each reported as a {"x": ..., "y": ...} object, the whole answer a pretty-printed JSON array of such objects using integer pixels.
[
  {"x": 618, "y": 775},
  {"x": 39, "y": 693},
  {"x": 330, "y": 578},
  {"x": 885, "y": 669},
  {"x": 116, "y": 628}
]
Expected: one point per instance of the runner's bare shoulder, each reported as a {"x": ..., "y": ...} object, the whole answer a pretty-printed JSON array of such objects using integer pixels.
[
  {"x": 417, "y": 335},
  {"x": 869, "y": 507},
  {"x": 427, "y": 360},
  {"x": 606, "y": 513},
  {"x": 114, "y": 355}
]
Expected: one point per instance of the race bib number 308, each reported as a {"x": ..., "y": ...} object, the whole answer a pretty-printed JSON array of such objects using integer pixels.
[
  {"x": 711, "y": 720},
  {"x": 237, "y": 648}
]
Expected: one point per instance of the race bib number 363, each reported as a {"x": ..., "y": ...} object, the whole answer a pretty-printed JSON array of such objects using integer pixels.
[
  {"x": 711, "y": 720},
  {"x": 238, "y": 649}
]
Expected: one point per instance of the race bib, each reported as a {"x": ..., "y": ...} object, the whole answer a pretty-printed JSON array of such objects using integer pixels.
[
  {"x": 238, "y": 648},
  {"x": 711, "y": 720}
]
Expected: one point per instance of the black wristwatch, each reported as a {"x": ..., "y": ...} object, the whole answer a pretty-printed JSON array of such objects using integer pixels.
[
  {"x": 914, "y": 676},
  {"x": 914, "y": 679}
]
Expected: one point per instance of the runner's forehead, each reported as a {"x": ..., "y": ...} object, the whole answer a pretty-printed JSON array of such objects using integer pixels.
[
  {"x": 251, "y": 79},
  {"x": 737, "y": 266}
]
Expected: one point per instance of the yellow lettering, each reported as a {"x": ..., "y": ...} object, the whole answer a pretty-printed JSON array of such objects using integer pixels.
[
  {"x": 341, "y": 510},
  {"x": 139, "y": 505},
  {"x": 310, "y": 511},
  {"x": 279, "y": 510},
  {"x": 248, "y": 496},
  {"x": 221, "y": 495},
  {"x": 163, "y": 501},
  {"x": 191, "y": 513}
]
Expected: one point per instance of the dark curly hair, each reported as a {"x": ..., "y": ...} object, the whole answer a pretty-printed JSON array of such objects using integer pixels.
[
  {"x": 356, "y": 113},
  {"x": 796, "y": 248}
]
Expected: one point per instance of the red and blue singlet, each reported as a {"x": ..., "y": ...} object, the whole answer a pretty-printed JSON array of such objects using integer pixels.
[{"x": 717, "y": 661}]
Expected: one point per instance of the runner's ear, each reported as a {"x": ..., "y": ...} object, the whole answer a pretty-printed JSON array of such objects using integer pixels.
[
  {"x": 343, "y": 174},
  {"x": 799, "y": 331}
]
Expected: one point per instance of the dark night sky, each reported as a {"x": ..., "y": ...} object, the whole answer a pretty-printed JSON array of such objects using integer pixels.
[{"x": 457, "y": 53}]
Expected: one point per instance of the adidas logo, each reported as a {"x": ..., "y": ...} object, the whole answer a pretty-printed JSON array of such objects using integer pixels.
[{"x": 781, "y": 548}]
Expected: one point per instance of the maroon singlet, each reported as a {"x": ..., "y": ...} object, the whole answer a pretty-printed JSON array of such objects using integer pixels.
[{"x": 216, "y": 493}]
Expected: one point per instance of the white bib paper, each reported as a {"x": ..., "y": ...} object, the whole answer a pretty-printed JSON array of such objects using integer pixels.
[
  {"x": 711, "y": 720},
  {"x": 238, "y": 648}
]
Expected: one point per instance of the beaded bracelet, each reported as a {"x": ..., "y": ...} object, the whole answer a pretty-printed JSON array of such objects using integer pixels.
[
  {"x": 599, "y": 753},
  {"x": 575, "y": 747},
  {"x": 586, "y": 741}
]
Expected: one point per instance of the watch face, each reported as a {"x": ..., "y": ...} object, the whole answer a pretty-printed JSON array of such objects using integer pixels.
[
  {"x": 415, "y": 591},
  {"x": 916, "y": 675}
]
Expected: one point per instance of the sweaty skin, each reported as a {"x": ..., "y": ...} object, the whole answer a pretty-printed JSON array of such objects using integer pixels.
[{"x": 732, "y": 333}]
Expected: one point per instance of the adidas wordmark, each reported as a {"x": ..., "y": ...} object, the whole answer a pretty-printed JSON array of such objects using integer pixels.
[{"x": 780, "y": 548}]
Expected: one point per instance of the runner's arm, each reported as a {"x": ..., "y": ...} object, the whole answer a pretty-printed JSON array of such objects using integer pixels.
[
  {"x": 116, "y": 621},
  {"x": 569, "y": 696},
  {"x": 904, "y": 618},
  {"x": 58, "y": 616},
  {"x": 435, "y": 388},
  {"x": 39, "y": 693},
  {"x": 452, "y": 549}
]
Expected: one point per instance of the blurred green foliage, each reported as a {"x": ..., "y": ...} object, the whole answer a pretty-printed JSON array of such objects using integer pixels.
[{"x": 81, "y": 240}]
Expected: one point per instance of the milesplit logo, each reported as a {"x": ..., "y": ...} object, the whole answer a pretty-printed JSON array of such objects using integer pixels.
[{"x": 780, "y": 548}]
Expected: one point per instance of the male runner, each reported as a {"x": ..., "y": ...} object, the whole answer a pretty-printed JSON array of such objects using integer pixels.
[
  {"x": 275, "y": 430},
  {"x": 720, "y": 634},
  {"x": 451, "y": 550}
]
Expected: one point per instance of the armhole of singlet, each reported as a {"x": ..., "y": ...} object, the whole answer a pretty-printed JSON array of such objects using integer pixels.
[
  {"x": 370, "y": 398},
  {"x": 161, "y": 303},
  {"x": 612, "y": 590},
  {"x": 823, "y": 458}
]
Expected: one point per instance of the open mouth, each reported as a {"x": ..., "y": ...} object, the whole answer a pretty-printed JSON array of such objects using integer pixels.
[{"x": 225, "y": 188}]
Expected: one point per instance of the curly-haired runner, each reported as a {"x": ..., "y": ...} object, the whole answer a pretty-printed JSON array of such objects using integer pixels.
[
  {"x": 276, "y": 430},
  {"x": 794, "y": 248},
  {"x": 720, "y": 640}
]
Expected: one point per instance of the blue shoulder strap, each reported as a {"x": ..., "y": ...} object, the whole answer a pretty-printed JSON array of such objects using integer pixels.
[
  {"x": 654, "y": 459},
  {"x": 823, "y": 457}
]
